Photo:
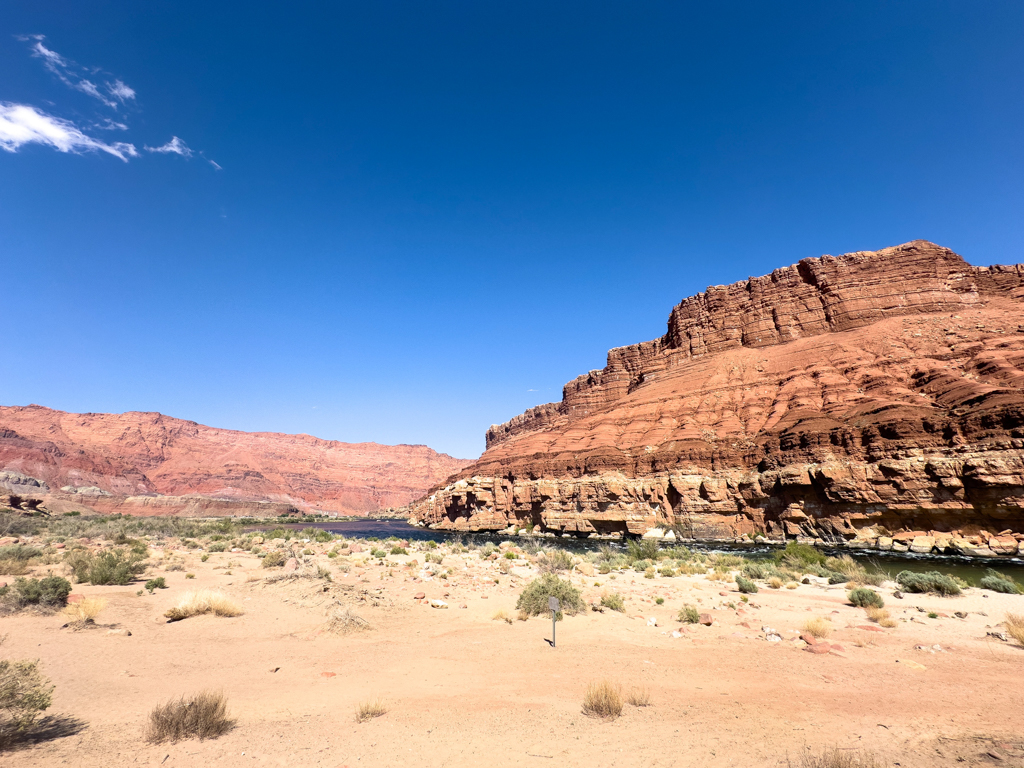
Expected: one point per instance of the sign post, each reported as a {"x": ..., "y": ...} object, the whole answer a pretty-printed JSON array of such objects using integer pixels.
[{"x": 553, "y": 605}]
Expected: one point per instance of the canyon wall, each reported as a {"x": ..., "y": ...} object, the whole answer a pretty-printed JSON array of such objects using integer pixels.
[
  {"x": 148, "y": 463},
  {"x": 835, "y": 398}
]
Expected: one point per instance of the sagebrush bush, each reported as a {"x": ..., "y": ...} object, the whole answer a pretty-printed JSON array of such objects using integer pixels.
[
  {"x": 746, "y": 586},
  {"x": 157, "y": 583},
  {"x": 554, "y": 561},
  {"x": 642, "y": 549},
  {"x": 799, "y": 556},
  {"x": 48, "y": 592},
  {"x": 689, "y": 614},
  {"x": 603, "y": 700},
  {"x": 112, "y": 566},
  {"x": 999, "y": 582},
  {"x": 534, "y": 599},
  {"x": 19, "y": 552},
  {"x": 202, "y": 716},
  {"x": 24, "y": 694},
  {"x": 614, "y": 601},
  {"x": 863, "y": 597},
  {"x": 932, "y": 581}
]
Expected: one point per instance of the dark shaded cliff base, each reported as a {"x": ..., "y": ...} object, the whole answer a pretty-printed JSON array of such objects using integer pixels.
[{"x": 843, "y": 398}]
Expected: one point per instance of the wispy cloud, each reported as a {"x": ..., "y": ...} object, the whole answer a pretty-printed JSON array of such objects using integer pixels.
[
  {"x": 21, "y": 124},
  {"x": 173, "y": 147},
  {"x": 215, "y": 165},
  {"x": 111, "y": 92}
]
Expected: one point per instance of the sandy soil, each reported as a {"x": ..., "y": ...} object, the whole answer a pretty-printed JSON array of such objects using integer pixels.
[{"x": 463, "y": 689}]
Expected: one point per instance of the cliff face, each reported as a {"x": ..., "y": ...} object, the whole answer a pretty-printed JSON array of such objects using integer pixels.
[
  {"x": 148, "y": 463},
  {"x": 841, "y": 393}
]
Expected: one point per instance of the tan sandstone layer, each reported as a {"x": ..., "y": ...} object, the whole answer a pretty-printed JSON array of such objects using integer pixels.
[
  {"x": 842, "y": 398},
  {"x": 148, "y": 463}
]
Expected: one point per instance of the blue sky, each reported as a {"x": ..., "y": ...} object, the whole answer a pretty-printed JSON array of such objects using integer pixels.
[{"x": 402, "y": 222}]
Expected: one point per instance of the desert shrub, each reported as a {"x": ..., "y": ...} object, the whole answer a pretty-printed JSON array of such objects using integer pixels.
[
  {"x": 13, "y": 567},
  {"x": 649, "y": 572},
  {"x": 378, "y": 553},
  {"x": 726, "y": 561},
  {"x": 48, "y": 592},
  {"x": 863, "y": 597},
  {"x": 719, "y": 574},
  {"x": 19, "y": 552},
  {"x": 345, "y": 620},
  {"x": 666, "y": 572},
  {"x": 799, "y": 556},
  {"x": 220, "y": 546},
  {"x": 85, "y": 611},
  {"x": 202, "y": 716},
  {"x": 534, "y": 599},
  {"x": 689, "y": 614},
  {"x": 190, "y": 575},
  {"x": 659, "y": 600},
  {"x": 274, "y": 559},
  {"x": 775, "y": 583},
  {"x": 932, "y": 581},
  {"x": 839, "y": 758},
  {"x": 24, "y": 694},
  {"x": 880, "y": 616},
  {"x": 746, "y": 586},
  {"x": 432, "y": 557},
  {"x": 847, "y": 566},
  {"x": 554, "y": 561},
  {"x": 369, "y": 710},
  {"x": 818, "y": 627},
  {"x": 332, "y": 554},
  {"x": 113, "y": 566},
  {"x": 639, "y": 696},
  {"x": 614, "y": 601},
  {"x": 603, "y": 700},
  {"x": 501, "y": 615},
  {"x": 203, "y": 601},
  {"x": 641, "y": 565},
  {"x": 397, "y": 550},
  {"x": 642, "y": 549},
  {"x": 1014, "y": 623},
  {"x": 760, "y": 569},
  {"x": 999, "y": 582}
]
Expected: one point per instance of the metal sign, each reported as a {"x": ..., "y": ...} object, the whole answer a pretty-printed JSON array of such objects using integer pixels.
[{"x": 553, "y": 604}]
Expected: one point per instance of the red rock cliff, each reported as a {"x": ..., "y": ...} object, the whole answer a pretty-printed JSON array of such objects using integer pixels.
[
  {"x": 166, "y": 465},
  {"x": 880, "y": 389}
]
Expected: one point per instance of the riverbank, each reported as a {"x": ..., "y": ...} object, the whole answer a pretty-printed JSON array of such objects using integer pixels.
[{"x": 468, "y": 683}]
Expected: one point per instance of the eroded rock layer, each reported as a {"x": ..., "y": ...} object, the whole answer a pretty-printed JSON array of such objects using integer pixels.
[
  {"x": 836, "y": 398},
  {"x": 148, "y": 463}
]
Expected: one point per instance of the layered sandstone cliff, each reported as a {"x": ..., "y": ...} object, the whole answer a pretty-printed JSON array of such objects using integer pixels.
[
  {"x": 147, "y": 463},
  {"x": 865, "y": 392}
]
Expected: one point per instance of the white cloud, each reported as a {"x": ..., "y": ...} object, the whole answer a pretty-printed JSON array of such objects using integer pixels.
[
  {"x": 110, "y": 125},
  {"x": 175, "y": 146},
  {"x": 69, "y": 73},
  {"x": 121, "y": 91},
  {"x": 21, "y": 124},
  {"x": 215, "y": 165}
]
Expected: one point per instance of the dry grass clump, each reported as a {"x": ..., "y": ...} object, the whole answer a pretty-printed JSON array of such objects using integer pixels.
[
  {"x": 819, "y": 627},
  {"x": 202, "y": 716},
  {"x": 369, "y": 710},
  {"x": 522, "y": 615},
  {"x": 775, "y": 583},
  {"x": 501, "y": 615},
  {"x": 839, "y": 758},
  {"x": 203, "y": 601},
  {"x": 639, "y": 696},
  {"x": 880, "y": 616},
  {"x": 1015, "y": 626},
  {"x": 719, "y": 574},
  {"x": 345, "y": 620},
  {"x": 85, "y": 611},
  {"x": 791, "y": 585},
  {"x": 603, "y": 700}
]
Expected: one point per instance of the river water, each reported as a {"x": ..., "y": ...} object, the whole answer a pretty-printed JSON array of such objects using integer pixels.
[{"x": 969, "y": 569}]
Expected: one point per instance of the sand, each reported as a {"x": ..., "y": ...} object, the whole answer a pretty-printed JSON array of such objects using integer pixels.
[{"x": 462, "y": 689}]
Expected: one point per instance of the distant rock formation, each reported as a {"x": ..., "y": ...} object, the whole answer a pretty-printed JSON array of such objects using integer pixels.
[
  {"x": 838, "y": 398},
  {"x": 148, "y": 463}
]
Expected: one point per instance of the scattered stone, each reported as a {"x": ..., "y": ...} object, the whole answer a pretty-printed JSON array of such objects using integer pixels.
[
  {"x": 869, "y": 627},
  {"x": 419, "y": 596},
  {"x": 998, "y": 636},
  {"x": 438, "y": 604},
  {"x": 706, "y": 620},
  {"x": 808, "y": 638},
  {"x": 120, "y": 632},
  {"x": 652, "y": 621},
  {"x": 75, "y": 598},
  {"x": 291, "y": 565},
  {"x": 819, "y": 648}
]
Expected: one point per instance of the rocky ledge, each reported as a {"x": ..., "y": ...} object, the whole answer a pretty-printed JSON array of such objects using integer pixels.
[{"x": 875, "y": 398}]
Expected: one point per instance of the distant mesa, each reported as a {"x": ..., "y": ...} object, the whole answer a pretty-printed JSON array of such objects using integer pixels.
[
  {"x": 148, "y": 463},
  {"x": 838, "y": 399}
]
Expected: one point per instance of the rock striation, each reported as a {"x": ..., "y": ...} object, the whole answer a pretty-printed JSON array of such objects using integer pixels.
[
  {"x": 148, "y": 463},
  {"x": 842, "y": 398}
]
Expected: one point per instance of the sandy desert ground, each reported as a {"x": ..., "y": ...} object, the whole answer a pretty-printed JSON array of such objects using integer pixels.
[{"x": 464, "y": 689}]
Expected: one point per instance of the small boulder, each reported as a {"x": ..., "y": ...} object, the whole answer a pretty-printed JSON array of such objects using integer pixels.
[
  {"x": 438, "y": 604},
  {"x": 419, "y": 596},
  {"x": 706, "y": 619},
  {"x": 291, "y": 565}
]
